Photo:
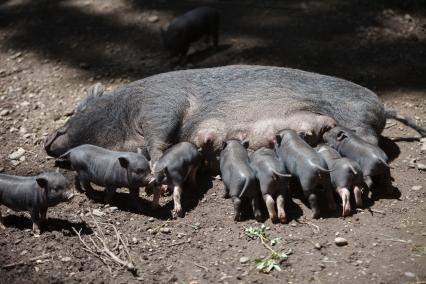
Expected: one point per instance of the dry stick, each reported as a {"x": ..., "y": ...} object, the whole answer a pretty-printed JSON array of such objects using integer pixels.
[
  {"x": 201, "y": 266},
  {"x": 376, "y": 211},
  {"x": 10, "y": 265}
]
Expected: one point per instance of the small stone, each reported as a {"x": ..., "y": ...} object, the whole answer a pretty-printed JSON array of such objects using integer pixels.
[
  {"x": 98, "y": 212},
  {"x": 66, "y": 259},
  {"x": 318, "y": 246},
  {"x": 17, "y": 154},
  {"x": 165, "y": 230},
  {"x": 244, "y": 259},
  {"x": 340, "y": 241},
  {"x": 151, "y": 219},
  {"x": 113, "y": 208},
  {"x": 4, "y": 112},
  {"x": 416, "y": 187},
  {"x": 153, "y": 19},
  {"x": 337, "y": 234},
  {"x": 24, "y": 252},
  {"x": 135, "y": 240},
  {"x": 218, "y": 177},
  {"x": 421, "y": 167},
  {"x": 410, "y": 274}
]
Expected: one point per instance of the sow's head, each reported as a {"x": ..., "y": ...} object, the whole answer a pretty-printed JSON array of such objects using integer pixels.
[{"x": 97, "y": 120}]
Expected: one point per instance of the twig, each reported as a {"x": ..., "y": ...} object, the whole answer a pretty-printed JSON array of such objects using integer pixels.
[
  {"x": 10, "y": 265},
  {"x": 201, "y": 266},
  {"x": 376, "y": 211},
  {"x": 177, "y": 244},
  {"x": 311, "y": 224}
]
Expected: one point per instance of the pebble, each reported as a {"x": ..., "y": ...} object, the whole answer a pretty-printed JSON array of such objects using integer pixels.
[
  {"x": 4, "y": 112},
  {"x": 410, "y": 274},
  {"x": 17, "y": 154},
  {"x": 98, "y": 212},
  {"x": 113, "y": 208},
  {"x": 135, "y": 240},
  {"x": 417, "y": 187},
  {"x": 340, "y": 241},
  {"x": 421, "y": 167},
  {"x": 318, "y": 246},
  {"x": 66, "y": 259},
  {"x": 244, "y": 259},
  {"x": 165, "y": 230},
  {"x": 153, "y": 19},
  {"x": 151, "y": 219}
]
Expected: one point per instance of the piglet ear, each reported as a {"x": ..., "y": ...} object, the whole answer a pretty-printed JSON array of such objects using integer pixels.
[
  {"x": 245, "y": 143},
  {"x": 124, "y": 162},
  {"x": 278, "y": 138},
  {"x": 224, "y": 144},
  {"x": 341, "y": 135},
  {"x": 42, "y": 182}
]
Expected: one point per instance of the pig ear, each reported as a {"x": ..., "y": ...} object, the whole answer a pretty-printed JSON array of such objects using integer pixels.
[
  {"x": 278, "y": 138},
  {"x": 245, "y": 143},
  {"x": 224, "y": 143},
  {"x": 42, "y": 182},
  {"x": 341, "y": 135},
  {"x": 124, "y": 162}
]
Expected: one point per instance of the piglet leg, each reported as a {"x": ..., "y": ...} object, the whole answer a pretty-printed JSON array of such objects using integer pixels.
[
  {"x": 156, "y": 197},
  {"x": 109, "y": 194},
  {"x": 270, "y": 205},
  {"x": 43, "y": 217},
  {"x": 313, "y": 202},
  {"x": 134, "y": 193},
  {"x": 2, "y": 226},
  {"x": 358, "y": 197},
  {"x": 346, "y": 205},
  {"x": 281, "y": 211},
  {"x": 35, "y": 217},
  {"x": 255, "y": 203},
  {"x": 237, "y": 208},
  {"x": 177, "y": 194}
]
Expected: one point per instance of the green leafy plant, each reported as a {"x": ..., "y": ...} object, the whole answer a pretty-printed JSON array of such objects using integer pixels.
[{"x": 273, "y": 261}]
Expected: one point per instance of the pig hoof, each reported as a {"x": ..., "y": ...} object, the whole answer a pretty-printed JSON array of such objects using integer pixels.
[
  {"x": 176, "y": 214},
  {"x": 258, "y": 217},
  {"x": 282, "y": 219},
  {"x": 36, "y": 233},
  {"x": 315, "y": 215},
  {"x": 2, "y": 227},
  {"x": 237, "y": 218},
  {"x": 226, "y": 195}
]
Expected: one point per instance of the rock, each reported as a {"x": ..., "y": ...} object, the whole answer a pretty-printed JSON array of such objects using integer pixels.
[
  {"x": 66, "y": 259},
  {"x": 153, "y": 19},
  {"x": 417, "y": 187},
  {"x": 318, "y": 246},
  {"x": 151, "y": 219},
  {"x": 98, "y": 212},
  {"x": 165, "y": 230},
  {"x": 218, "y": 177},
  {"x": 113, "y": 208},
  {"x": 4, "y": 112},
  {"x": 410, "y": 274},
  {"x": 17, "y": 154},
  {"x": 340, "y": 241},
  {"x": 244, "y": 259},
  {"x": 135, "y": 240},
  {"x": 421, "y": 166}
]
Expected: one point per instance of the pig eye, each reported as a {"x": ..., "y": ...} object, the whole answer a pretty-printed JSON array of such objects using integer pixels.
[{"x": 139, "y": 171}]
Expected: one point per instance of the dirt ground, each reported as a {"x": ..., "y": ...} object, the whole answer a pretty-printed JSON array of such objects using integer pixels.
[{"x": 50, "y": 51}]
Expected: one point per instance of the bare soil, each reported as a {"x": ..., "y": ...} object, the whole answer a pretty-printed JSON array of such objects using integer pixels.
[{"x": 50, "y": 51}]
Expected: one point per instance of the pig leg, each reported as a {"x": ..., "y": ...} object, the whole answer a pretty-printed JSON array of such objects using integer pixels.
[
  {"x": 313, "y": 202},
  {"x": 270, "y": 205},
  {"x": 329, "y": 195},
  {"x": 35, "y": 217},
  {"x": 387, "y": 181},
  {"x": 358, "y": 196},
  {"x": 237, "y": 208},
  {"x": 177, "y": 194},
  {"x": 2, "y": 226},
  {"x": 193, "y": 177},
  {"x": 255, "y": 204},
  {"x": 43, "y": 217},
  {"x": 368, "y": 182},
  {"x": 134, "y": 193},
  {"x": 156, "y": 197},
  {"x": 225, "y": 192},
  {"x": 281, "y": 211},
  {"x": 109, "y": 194},
  {"x": 77, "y": 184},
  {"x": 346, "y": 205}
]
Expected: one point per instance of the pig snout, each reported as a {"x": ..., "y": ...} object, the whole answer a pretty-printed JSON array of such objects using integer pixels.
[{"x": 57, "y": 142}]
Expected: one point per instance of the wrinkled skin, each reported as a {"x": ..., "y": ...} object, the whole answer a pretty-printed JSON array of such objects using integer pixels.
[
  {"x": 34, "y": 194},
  {"x": 305, "y": 164},
  {"x": 346, "y": 177},
  {"x": 190, "y": 27},
  {"x": 111, "y": 169},
  {"x": 372, "y": 159},
  {"x": 206, "y": 105},
  {"x": 239, "y": 178},
  {"x": 272, "y": 180},
  {"x": 178, "y": 164}
]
